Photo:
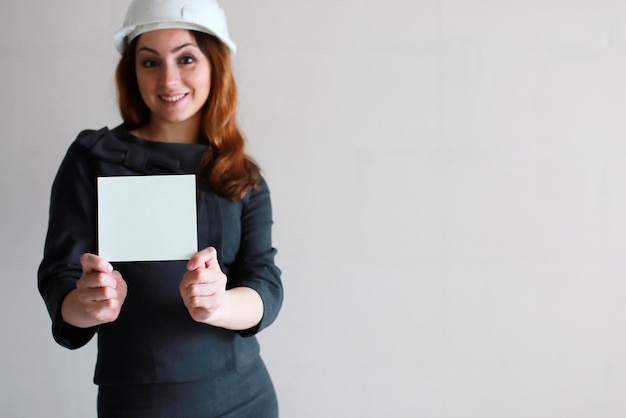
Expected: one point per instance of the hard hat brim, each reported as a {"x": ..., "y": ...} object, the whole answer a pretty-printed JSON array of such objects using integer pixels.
[{"x": 123, "y": 37}]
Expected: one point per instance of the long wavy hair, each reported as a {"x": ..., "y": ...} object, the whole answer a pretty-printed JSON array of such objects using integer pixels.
[{"x": 225, "y": 166}]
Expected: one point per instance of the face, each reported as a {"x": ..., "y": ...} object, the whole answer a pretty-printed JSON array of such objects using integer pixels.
[{"x": 173, "y": 75}]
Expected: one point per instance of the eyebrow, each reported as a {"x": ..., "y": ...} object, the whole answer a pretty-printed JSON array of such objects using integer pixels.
[{"x": 178, "y": 48}]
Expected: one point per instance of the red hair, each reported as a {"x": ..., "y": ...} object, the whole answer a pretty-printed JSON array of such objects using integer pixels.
[{"x": 225, "y": 165}]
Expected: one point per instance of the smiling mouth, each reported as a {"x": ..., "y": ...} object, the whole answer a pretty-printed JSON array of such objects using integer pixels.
[{"x": 172, "y": 99}]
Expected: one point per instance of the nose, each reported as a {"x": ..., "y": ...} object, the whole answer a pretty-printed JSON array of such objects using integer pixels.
[{"x": 170, "y": 75}]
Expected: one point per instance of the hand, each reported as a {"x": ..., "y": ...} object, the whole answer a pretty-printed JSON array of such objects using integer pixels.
[
  {"x": 203, "y": 287},
  {"x": 100, "y": 290}
]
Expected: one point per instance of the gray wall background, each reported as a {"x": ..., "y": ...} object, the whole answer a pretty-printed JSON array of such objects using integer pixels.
[{"x": 449, "y": 186}]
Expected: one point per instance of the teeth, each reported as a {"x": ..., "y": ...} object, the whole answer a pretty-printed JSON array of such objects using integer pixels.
[{"x": 173, "y": 98}]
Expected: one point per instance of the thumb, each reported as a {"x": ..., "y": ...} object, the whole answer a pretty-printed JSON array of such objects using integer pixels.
[
  {"x": 92, "y": 263},
  {"x": 206, "y": 258}
]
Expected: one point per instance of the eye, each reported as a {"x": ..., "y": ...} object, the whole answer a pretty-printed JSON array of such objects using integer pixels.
[
  {"x": 187, "y": 59},
  {"x": 148, "y": 63}
]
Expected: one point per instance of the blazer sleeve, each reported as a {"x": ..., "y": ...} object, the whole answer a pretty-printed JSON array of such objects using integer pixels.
[
  {"x": 255, "y": 265},
  {"x": 71, "y": 232}
]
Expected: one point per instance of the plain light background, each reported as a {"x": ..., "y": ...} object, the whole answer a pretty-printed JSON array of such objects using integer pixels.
[{"x": 449, "y": 190}]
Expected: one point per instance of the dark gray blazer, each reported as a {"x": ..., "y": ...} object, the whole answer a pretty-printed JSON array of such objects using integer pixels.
[{"x": 154, "y": 339}]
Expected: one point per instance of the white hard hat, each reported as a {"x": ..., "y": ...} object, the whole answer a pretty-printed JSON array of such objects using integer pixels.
[{"x": 147, "y": 15}]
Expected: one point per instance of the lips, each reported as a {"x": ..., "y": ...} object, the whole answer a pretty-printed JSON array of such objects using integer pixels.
[{"x": 174, "y": 98}]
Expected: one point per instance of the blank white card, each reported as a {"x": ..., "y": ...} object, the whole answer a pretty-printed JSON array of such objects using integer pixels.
[{"x": 147, "y": 218}]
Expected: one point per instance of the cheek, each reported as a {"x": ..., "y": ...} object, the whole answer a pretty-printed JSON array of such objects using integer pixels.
[
  {"x": 202, "y": 80},
  {"x": 207, "y": 87},
  {"x": 202, "y": 83},
  {"x": 146, "y": 86},
  {"x": 141, "y": 81}
]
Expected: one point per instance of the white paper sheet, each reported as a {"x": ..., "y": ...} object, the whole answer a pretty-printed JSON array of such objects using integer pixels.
[{"x": 147, "y": 218}]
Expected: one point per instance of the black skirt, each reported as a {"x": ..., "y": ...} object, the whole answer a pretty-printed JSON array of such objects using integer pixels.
[{"x": 239, "y": 395}]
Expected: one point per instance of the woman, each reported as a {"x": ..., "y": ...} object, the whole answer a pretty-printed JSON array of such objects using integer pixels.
[{"x": 175, "y": 339}]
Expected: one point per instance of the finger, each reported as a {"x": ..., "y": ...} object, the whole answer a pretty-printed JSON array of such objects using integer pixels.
[
  {"x": 202, "y": 289},
  {"x": 193, "y": 277},
  {"x": 204, "y": 276},
  {"x": 97, "y": 294},
  {"x": 104, "y": 310},
  {"x": 94, "y": 263},
  {"x": 119, "y": 280},
  {"x": 207, "y": 303},
  {"x": 205, "y": 258},
  {"x": 97, "y": 280}
]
